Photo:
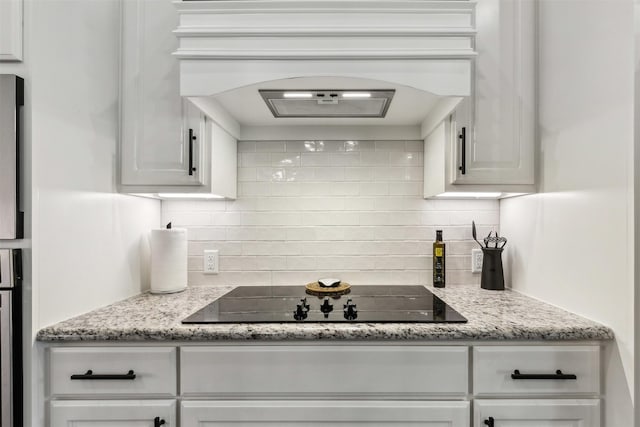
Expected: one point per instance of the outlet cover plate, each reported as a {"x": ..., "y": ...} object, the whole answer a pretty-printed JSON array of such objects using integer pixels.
[{"x": 210, "y": 263}]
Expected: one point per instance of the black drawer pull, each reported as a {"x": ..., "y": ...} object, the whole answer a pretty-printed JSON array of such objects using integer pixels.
[
  {"x": 557, "y": 376},
  {"x": 89, "y": 375},
  {"x": 157, "y": 422},
  {"x": 489, "y": 422}
]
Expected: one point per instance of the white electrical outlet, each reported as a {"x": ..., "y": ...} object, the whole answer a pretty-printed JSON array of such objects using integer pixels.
[
  {"x": 476, "y": 260},
  {"x": 210, "y": 261}
]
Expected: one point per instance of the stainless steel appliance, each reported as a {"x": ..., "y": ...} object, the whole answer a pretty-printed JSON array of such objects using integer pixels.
[
  {"x": 10, "y": 338},
  {"x": 11, "y": 103},
  {"x": 283, "y": 304}
]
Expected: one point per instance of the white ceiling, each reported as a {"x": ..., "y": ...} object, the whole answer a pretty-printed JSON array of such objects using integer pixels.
[{"x": 409, "y": 106}]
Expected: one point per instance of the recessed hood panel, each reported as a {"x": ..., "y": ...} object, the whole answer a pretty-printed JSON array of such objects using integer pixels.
[{"x": 323, "y": 103}]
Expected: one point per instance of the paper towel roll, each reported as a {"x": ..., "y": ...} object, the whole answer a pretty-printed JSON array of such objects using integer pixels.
[{"x": 168, "y": 260}]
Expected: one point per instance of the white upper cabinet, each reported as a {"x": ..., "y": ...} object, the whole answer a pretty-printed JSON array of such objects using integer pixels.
[
  {"x": 490, "y": 138},
  {"x": 166, "y": 141},
  {"x": 11, "y": 30}
]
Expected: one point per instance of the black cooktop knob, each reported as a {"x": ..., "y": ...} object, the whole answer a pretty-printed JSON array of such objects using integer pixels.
[
  {"x": 326, "y": 307},
  {"x": 350, "y": 311},
  {"x": 304, "y": 304},
  {"x": 349, "y": 303},
  {"x": 300, "y": 313}
]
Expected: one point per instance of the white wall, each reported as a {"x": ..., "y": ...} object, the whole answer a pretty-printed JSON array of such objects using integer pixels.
[
  {"x": 572, "y": 244},
  {"x": 86, "y": 237},
  {"x": 351, "y": 209}
]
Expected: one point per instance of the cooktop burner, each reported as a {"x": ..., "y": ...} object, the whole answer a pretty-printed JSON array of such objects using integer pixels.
[{"x": 279, "y": 304}]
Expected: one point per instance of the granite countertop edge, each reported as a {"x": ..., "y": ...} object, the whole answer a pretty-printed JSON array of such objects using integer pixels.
[{"x": 492, "y": 316}]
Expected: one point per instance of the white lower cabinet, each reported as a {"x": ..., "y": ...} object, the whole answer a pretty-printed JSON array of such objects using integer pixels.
[
  {"x": 322, "y": 413},
  {"x": 113, "y": 413},
  {"x": 316, "y": 385},
  {"x": 538, "y": 413}
]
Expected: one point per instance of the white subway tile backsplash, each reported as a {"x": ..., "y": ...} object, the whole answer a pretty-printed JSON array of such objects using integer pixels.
[
  {"x": 301, "y": 263},
  {"x": 344, "y": 159},
  {"x": 390, "y": 146},
  {"x": 246, "y": 146},
  {"x": 315, "y": 159},
  {"x": 405, "y": 189},
  {"x": 270, "y": 146},
  {"x": 206, "y": 233},
  {"x": 227, "y": 218},
  {"x": 285, "y": 160},
  {"x": 271, "y": 218},
  {"x": 414, "y": 146},
  {"x": 247, "y": 174},
  {"x": 389, "y": 174},
  {"x": 358, "y": 174},
  {"x": 271, "y": 248},
  {"x": 351, "y": 209},
  {"x": 413, "y": 173},
  {"x": 374, "y": 158},
  {"x": 186, "y": 219},
  {"x": 374, "y": 188},
  {"x": 405, "y": 159},
  {"x": 248, "y": 160},
  {"x": 254, "y": 189},
  {"x": 328, "y": 173},
  {"x": 359, "y": 145},
  {"x": 286, "y": 188},
  {"x": 330, "y": 218}
]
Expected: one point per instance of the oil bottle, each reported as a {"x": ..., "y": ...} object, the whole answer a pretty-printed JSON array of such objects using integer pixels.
[{"x": 439, "y": 252}]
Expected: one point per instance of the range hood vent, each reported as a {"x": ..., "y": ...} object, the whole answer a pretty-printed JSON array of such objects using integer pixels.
[{"x": 325, "y": 103}]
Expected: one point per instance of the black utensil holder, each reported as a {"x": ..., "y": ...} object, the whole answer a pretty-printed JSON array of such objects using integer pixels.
[{"x": 492, "y": 273}]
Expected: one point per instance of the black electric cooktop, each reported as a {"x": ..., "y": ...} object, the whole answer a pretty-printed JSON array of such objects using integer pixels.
[{"x": 280, "y": 304}]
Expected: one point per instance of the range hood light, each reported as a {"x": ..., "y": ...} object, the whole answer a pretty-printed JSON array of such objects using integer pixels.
[
  {"x": 298, "y": 95},
  {"x": 469, "y": 195},
  {"x": 356, "y": 95},
  {"x": 189, "y": 196}
]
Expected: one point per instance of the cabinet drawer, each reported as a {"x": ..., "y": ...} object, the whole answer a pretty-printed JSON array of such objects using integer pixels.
[
  {"x": 528, "y": 370},
  {"x": 322, "y": 413},
  {"x": 307, "y": 371},
  {"x": 537, "y": 412},
  {"x": 114, "y": 371},
  {"x": 112, "y": 413}
]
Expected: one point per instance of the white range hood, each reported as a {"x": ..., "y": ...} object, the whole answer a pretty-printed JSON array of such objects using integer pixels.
[{"x": 230, "y": 50}]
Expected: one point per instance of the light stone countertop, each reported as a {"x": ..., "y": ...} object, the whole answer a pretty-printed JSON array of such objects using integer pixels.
[{"x": 492, "y": 315}]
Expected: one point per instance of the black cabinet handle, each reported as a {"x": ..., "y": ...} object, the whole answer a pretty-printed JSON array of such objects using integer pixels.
[
  {"x": 489, "y": 422},
  {"x": 192, "y": 138},
  {"x": 157, "y": 422},
  {"x": 463, "y": 150},
  {"x": 89, "y": 375},
  {"x": 557, "y": 376}
]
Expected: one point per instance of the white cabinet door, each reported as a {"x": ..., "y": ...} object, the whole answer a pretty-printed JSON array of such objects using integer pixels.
[
  {"x": 538, "y": 413},
  {"x": 114, "y": 413},
  {"x": 500, "y": 117},
  {"x": 324, "y": 413},
  {"x": 11, "y": 30},
  {"x": 156, "y": 121}
]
